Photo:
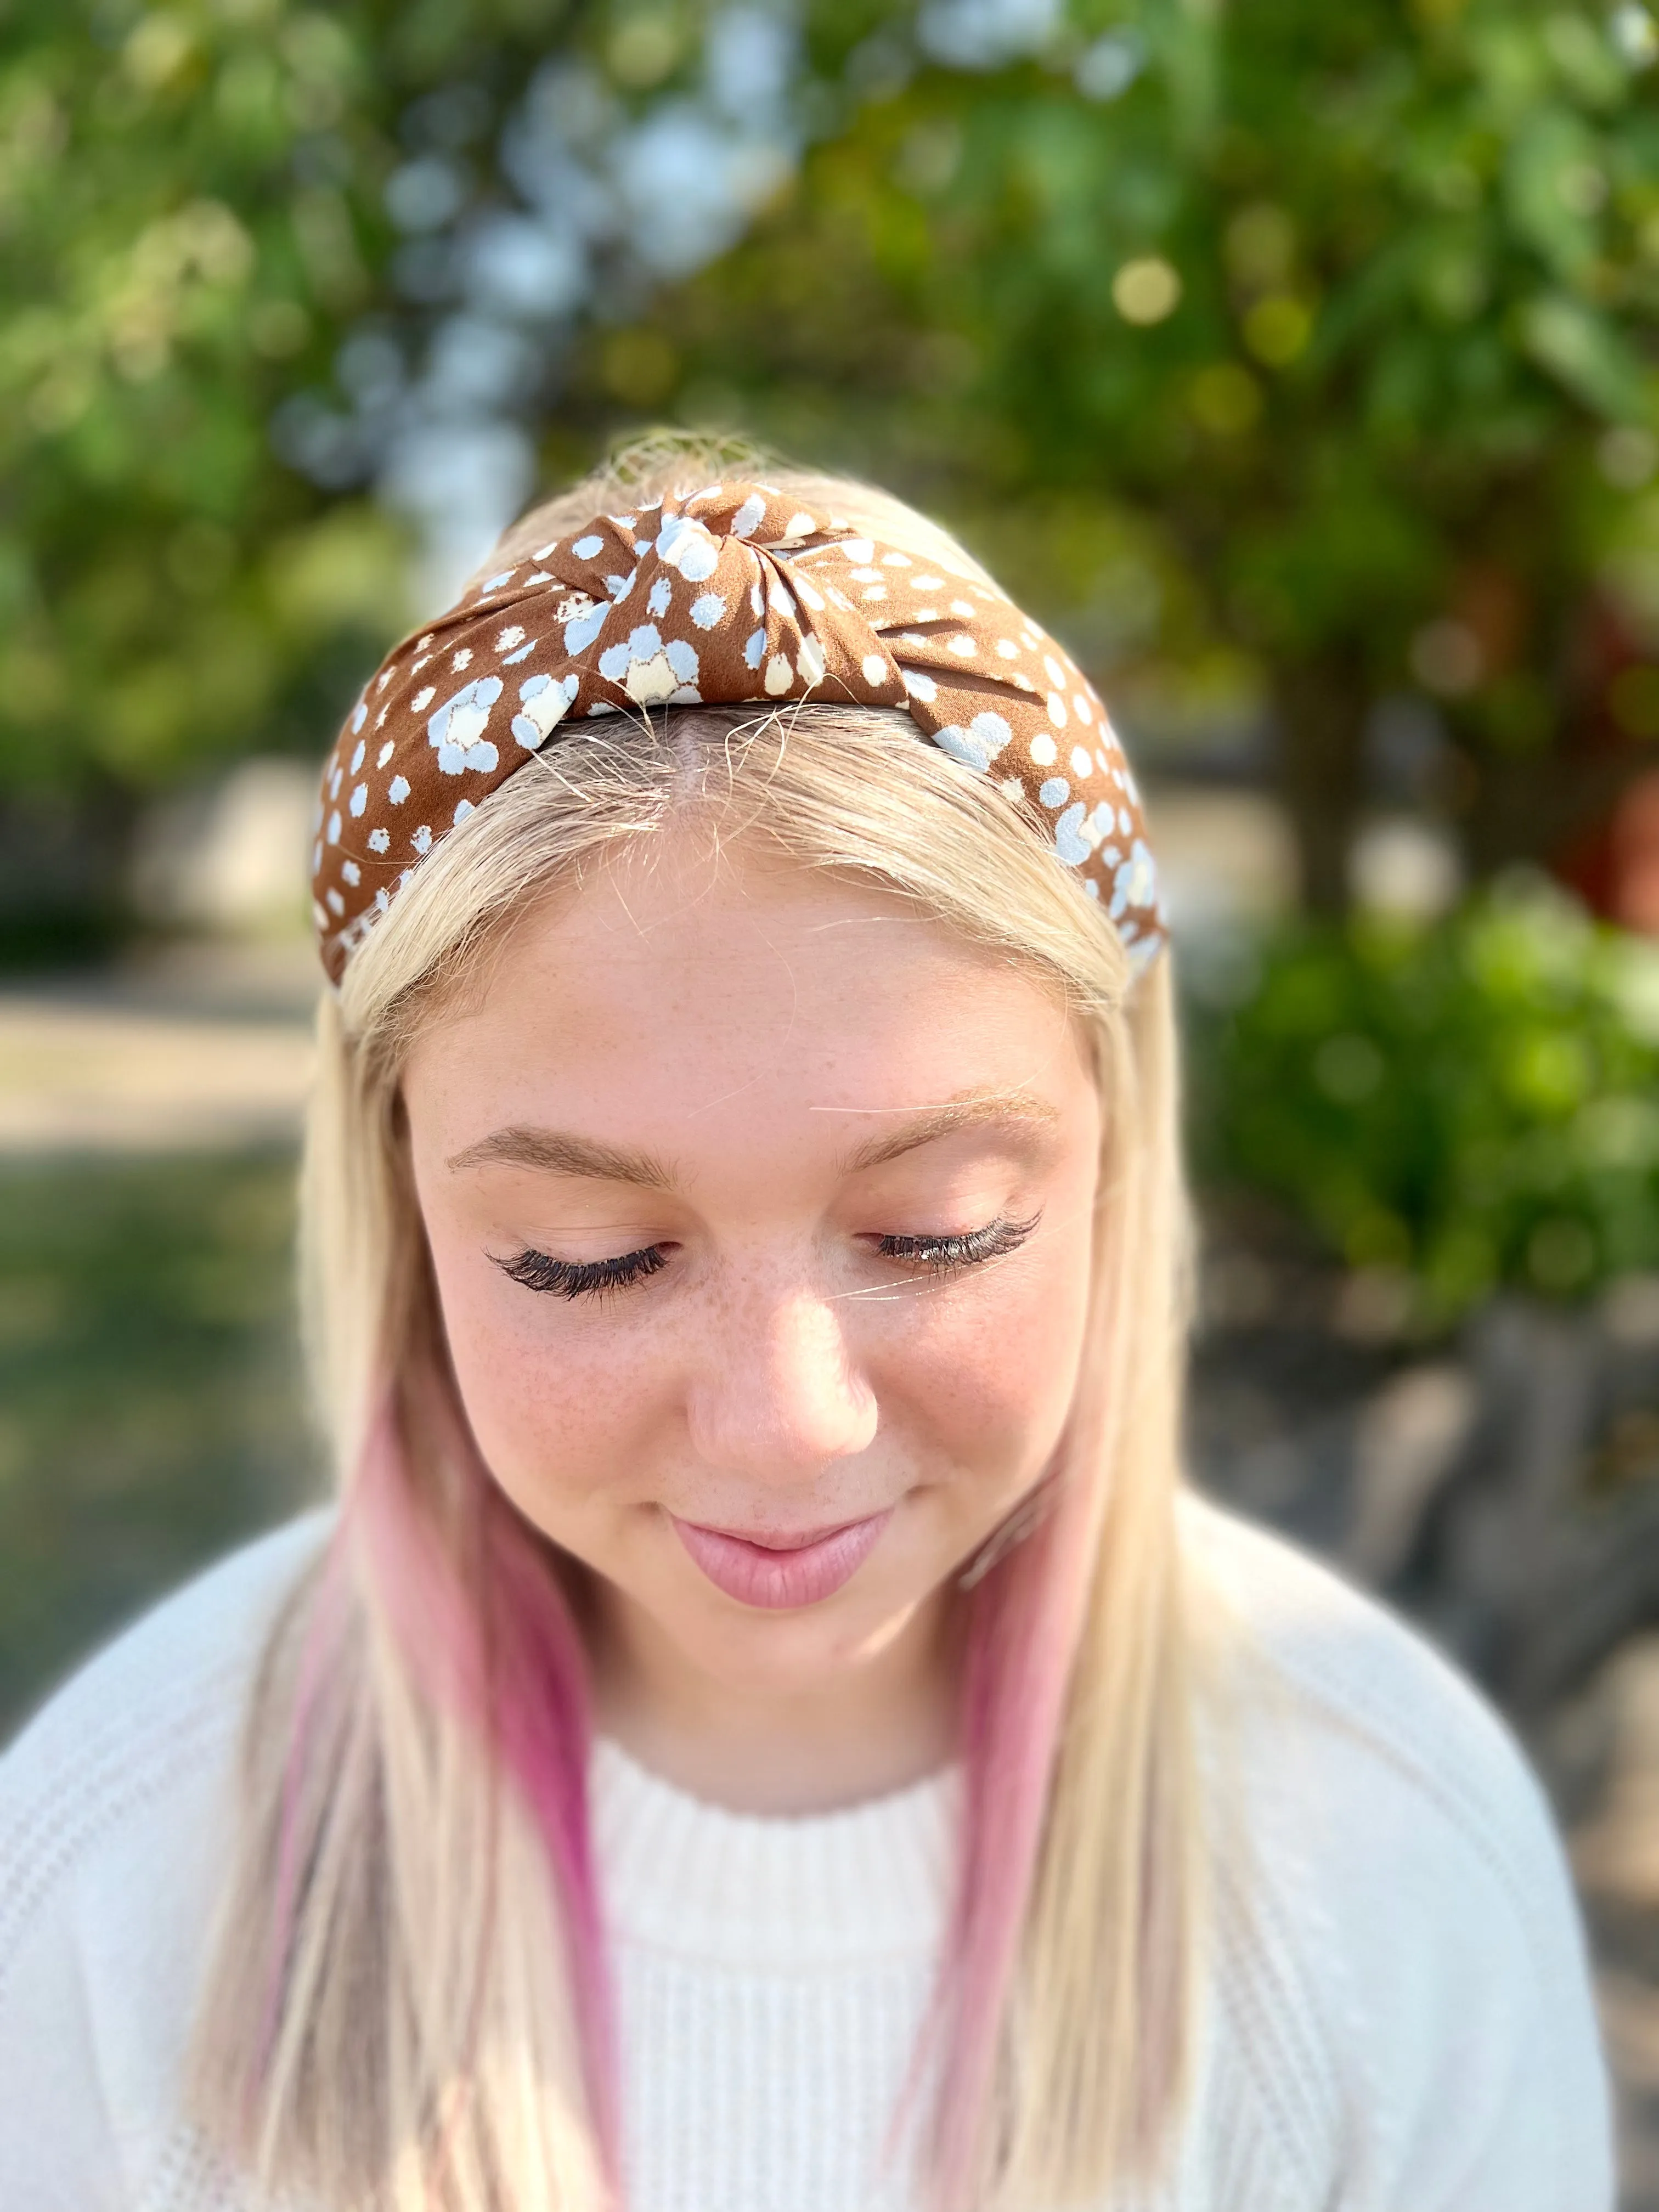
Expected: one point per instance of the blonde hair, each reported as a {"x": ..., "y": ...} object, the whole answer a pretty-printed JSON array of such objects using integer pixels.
[{"x": 407, "y": 2007}]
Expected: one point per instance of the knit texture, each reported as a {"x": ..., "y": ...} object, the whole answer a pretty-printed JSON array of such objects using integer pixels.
[{"x": 1397, "y": 2013}]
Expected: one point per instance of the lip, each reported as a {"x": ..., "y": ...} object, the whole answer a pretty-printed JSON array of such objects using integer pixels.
[{"x": 792, "y": 1571}]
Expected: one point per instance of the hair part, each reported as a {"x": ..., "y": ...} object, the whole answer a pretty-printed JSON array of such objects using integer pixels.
[{"x": 408, "y": 2004}]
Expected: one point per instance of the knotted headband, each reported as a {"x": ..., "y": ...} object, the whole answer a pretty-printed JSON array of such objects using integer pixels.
[{"x": 738, "y": 594}]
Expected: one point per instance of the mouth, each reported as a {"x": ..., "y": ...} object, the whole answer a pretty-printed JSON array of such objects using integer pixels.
[{"x": 781, "y": 1572}]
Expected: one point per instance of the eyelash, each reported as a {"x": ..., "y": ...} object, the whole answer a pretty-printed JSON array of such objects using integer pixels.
[
  {"x": 940, "y": 1255},
  {"x": 579, "y": 1279}
]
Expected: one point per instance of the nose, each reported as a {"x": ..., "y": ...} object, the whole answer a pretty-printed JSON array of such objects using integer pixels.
[{"x": 773, "y": 1391}]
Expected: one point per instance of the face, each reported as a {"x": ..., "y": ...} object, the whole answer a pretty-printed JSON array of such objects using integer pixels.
[{"x": 760, "y": 1211}]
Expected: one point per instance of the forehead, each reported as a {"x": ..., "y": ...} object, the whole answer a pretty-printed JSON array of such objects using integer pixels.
[{"x": 697, "y": 994}]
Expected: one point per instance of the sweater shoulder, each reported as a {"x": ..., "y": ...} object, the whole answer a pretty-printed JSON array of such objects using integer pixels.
[
  {"x": 142, "y": 1725},
  {"x": 1324, "y": 1661},
  {"x": 1406, "y": 1942}
]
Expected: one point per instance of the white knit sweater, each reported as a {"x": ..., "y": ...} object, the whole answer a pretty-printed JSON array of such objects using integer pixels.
[{"x": 1404, "y": 2025}]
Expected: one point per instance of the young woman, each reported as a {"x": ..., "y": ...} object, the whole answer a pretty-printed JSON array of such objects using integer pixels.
[{"x": 766, "y": 1728}]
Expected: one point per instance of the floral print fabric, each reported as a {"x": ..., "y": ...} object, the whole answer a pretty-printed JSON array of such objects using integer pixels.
[{"x": 738, "y": 594}]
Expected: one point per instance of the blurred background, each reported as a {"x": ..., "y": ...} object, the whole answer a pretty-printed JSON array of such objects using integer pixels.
[{"x": 1298, "y": 364}]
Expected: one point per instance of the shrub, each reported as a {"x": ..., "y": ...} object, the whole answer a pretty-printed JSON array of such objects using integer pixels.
[{"x": 1473, "y": 1102}]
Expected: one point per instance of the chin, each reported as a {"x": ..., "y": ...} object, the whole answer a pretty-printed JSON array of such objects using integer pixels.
[{"x": 804, "y": 1645}]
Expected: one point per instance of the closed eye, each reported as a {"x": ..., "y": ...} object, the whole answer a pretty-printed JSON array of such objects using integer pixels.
[
  {"x": 579, "y": 1279},
  {"x": 967, "y": 1248},
  {"x": 584, "y": 1278}
]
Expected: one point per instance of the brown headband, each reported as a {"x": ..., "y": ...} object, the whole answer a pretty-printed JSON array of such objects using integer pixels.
[{"x": 739, "y": 594}]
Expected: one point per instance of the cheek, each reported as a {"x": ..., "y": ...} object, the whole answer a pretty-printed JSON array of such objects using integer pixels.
[
  {"x": 984, "y": 1378},
  {"x": 558, "y": 1410}
]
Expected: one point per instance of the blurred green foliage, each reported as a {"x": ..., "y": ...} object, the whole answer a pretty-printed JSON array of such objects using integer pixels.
[
  {"x": 1297, "y": 351},
  {"x": 150, "y": 1412},
  {"x": 1468, "y": 1104},
  {"x": 191, "y": 220}
]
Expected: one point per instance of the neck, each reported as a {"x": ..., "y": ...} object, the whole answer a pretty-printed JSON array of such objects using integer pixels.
[{"x": 884, "y": 1720}]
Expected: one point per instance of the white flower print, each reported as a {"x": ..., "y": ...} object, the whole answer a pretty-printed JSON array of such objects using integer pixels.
[
  {"x": 686, "y": 545},
  {"x": 1136, "y": 883},
  {"x": 582, "y": 622},
  {"x": 455, "y": 730},
  {"x": 545, "y": 701},
  {"x": 978, "y": 745},
  {"x": 1070, "y": 841},
  {"x": 650, "y": 671}
]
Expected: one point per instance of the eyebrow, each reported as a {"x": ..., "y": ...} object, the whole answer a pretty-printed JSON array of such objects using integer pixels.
[
  {"x": 555, "y": 1151},
  {"x": 1001, "y": 1111}
]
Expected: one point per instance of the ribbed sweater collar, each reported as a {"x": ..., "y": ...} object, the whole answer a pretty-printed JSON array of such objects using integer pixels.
[{"x": 865, "y": 1885}]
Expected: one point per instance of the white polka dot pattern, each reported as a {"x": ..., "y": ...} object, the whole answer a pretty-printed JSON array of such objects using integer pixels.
[{"x": 732, "y": 596}]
